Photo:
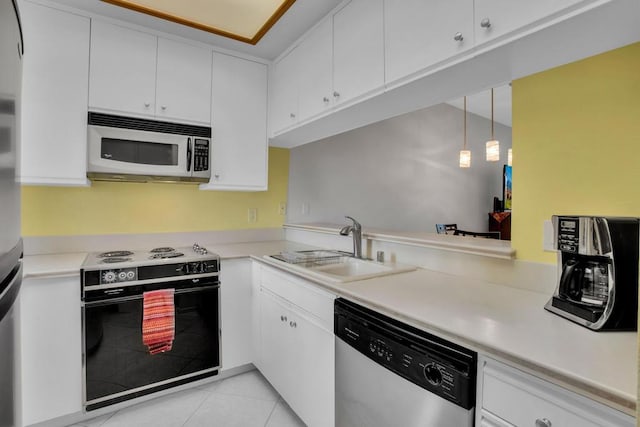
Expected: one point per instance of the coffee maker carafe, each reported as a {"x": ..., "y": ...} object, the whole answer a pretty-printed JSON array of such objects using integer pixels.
[{"x": 597, "y": 271}]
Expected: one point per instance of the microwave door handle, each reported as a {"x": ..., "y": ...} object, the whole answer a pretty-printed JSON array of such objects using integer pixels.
[{"x": 188, "y": 154}]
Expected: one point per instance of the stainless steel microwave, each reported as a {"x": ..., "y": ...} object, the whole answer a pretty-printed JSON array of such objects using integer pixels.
[{"x": 132, "y": 149}]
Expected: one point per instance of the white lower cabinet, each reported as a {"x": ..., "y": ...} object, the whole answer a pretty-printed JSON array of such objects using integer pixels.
[
  {"x": 50, "y": 317},
  {"x": 297, "y": 345},
  {"x": 236, "y": 312},
  {"x": 508, "y": 397}
]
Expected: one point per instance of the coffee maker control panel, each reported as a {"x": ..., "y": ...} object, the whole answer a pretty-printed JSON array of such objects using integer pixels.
[{"x": 568, "y": 234}]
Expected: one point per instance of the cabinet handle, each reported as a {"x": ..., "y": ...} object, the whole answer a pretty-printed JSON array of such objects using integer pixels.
[
  {"x": 293, "y": 116},
  {"x": 543, "y": 422},
  {"x": 147, "y": 104},
  {"x": 164, "y": 107},
  {"x": 458, "y": 37},
  {"x": 216, "y": 176},
  {"x": 293, "y": 324},
  {"x": 283, "y": 318},
  {"x": 336, "y": 94},
  {"x": 485, "y": 23},
  {"x": 325, "y": 99}
]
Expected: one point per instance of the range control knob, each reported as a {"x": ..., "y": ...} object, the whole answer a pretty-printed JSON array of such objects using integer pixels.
[
  {"x": 122, "y": 275},
  {"x": 109, "y": 276},
  {"x": 433, "y": 374}
]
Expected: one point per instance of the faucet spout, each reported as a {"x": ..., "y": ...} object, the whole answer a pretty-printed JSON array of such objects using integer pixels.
[{"x": 356, "y": 232}]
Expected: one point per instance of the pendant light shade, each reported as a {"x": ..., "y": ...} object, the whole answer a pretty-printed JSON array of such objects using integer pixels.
[
  {"x": 493, "y": 151},
  {"x": 465, "y": 155},
  {"x": 509, "y": 157},
  {"x": 465, "y": 158},
  {"x": 493, "y": 146}
]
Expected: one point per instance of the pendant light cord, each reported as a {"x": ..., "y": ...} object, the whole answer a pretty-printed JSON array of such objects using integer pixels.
[
  {"x": 465, "y": 123},
  {"x": 492, "y": 134}
]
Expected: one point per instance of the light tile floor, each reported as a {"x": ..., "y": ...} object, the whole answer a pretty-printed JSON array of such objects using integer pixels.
[{"x": 245, "y": 400}]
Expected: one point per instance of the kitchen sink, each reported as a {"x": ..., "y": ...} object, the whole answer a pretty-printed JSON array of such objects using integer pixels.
[{"x": 336, "y": 266}]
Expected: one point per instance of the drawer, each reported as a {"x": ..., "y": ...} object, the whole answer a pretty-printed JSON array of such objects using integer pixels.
[
  {"x": 521, "y": 399},
  {"x": 303, "y": 294}
]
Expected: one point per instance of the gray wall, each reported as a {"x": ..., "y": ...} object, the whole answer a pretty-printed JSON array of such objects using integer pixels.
[{"x": 400, "y": 174}]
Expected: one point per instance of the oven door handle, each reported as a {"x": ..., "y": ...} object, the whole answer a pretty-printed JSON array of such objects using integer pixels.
[{"x": 107, "y": 301}]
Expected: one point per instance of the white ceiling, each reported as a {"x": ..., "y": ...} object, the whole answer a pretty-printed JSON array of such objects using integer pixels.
[
  {"x": 301, "y": 16},
  {"x": 480, "y": 104}
]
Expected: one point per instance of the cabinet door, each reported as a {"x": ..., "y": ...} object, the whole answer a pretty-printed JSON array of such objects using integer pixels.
[
  {"x": 316, "y": 59},
  {"x": 313, "y": 364},
  {"x": 236, "y": 306},
  {"x": 51, "y": 348},
  {"x": 358, "y": 49},
  {"x": 505, "y": 16},
  {"x": 240, "y": 145},
  {"x": 420, "y": 33},
  {"x": 284, "y": 91},
  {"x": 123, "y": 70},
  {"x": 276, "y": 345},
  {"x": 183, "y": 87},
  {"x": 54, "y": 97}
]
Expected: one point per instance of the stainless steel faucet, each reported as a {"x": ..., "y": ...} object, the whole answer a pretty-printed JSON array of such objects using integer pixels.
[{"x": 356, "y": 232}]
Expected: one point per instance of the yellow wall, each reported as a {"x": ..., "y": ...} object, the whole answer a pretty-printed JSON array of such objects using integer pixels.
[
  {"x": 108, "y": 207},
  {"x": 576, "y": 144}
]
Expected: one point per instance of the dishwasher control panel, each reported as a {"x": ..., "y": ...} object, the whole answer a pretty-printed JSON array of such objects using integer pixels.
[{"x": 428, "y": 361}]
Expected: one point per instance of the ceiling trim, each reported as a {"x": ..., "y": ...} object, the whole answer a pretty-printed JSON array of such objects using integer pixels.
[{"x": 179, "y": 20}]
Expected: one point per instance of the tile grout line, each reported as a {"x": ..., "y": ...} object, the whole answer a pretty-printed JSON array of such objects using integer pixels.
[
  {"x": 272, "y": 411},
  {"x": 207, "y": 395}
]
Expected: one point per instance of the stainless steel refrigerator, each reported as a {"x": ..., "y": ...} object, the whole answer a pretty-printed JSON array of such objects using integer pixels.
[{"x": 11, "y": 51}]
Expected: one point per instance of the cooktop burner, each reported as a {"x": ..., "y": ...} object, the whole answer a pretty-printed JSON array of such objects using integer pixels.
[
  {"x": 161, "y": 250},
  {"x": 114, "y": 260},
  {"x": 115, "y": 254},
  {"x": 163, "y": 255}
]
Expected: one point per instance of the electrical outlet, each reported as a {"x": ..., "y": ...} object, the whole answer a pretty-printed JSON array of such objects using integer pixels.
[
  {"x": 547, "y": 236},
  {"x": 252, "y": 215},
  {"x": 305, "y": 208},
  {"x": 282, "y": 208}
]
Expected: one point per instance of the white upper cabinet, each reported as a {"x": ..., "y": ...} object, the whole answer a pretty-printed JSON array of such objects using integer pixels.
[
  {"x": 54, "y": 97},
  {"x": 139, "y": 74},
  {"x": 315, "y": 73},
  {"x": 183, "y": 87},
  {"x": 358, "y": 49},
  {"x": 285, "y": 83},
  {"x": 421, "y": 33},
  {"x": 239, "y": 118},
  {"x": 123, "y": 69},
  {"x": 495, "y": 18}
]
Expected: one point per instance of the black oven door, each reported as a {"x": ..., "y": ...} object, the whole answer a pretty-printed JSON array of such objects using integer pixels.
[{"x": 118, "y": 365}]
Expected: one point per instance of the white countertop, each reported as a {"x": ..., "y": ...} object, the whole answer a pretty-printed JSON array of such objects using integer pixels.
[
  {"x": 506, "y": 323},
  {"x": 68, "y": 264},
  {"x": 471, "y": 245}
]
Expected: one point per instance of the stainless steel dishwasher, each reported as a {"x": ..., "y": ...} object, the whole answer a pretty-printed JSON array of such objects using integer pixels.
[{"x": 391, "y": 374}]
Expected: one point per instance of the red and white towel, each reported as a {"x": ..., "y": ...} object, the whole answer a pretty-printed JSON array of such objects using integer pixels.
[{"x": 158, "y": 320}]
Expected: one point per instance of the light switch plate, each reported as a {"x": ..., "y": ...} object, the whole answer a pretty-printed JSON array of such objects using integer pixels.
[
  {"x": 282, "y": 208},
  {"x": 252, "y": 215},
  {"x": 547, "y": 236}
]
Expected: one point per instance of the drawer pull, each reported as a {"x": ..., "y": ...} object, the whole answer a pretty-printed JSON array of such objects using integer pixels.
[{"x": 543, "y": 422}]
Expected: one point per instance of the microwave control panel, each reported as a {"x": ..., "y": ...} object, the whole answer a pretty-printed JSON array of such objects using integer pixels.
[{"x": 200, "y": 155}]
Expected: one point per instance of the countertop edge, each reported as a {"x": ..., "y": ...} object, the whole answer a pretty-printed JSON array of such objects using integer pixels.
[
  {"x": 491, "y": 250},
  {"x": 620, "y": 402}
]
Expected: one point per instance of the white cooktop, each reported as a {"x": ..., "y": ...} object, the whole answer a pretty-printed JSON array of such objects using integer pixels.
[{"x": 161, "y": 255}]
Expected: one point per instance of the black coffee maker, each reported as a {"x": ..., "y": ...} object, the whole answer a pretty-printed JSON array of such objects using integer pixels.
[{"x": 597, "y": 271}]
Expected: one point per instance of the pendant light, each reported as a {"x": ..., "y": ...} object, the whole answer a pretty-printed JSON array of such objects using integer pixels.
[
  {"x": 465, "y": 155},
  {"x": 493, "y": 146}
]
